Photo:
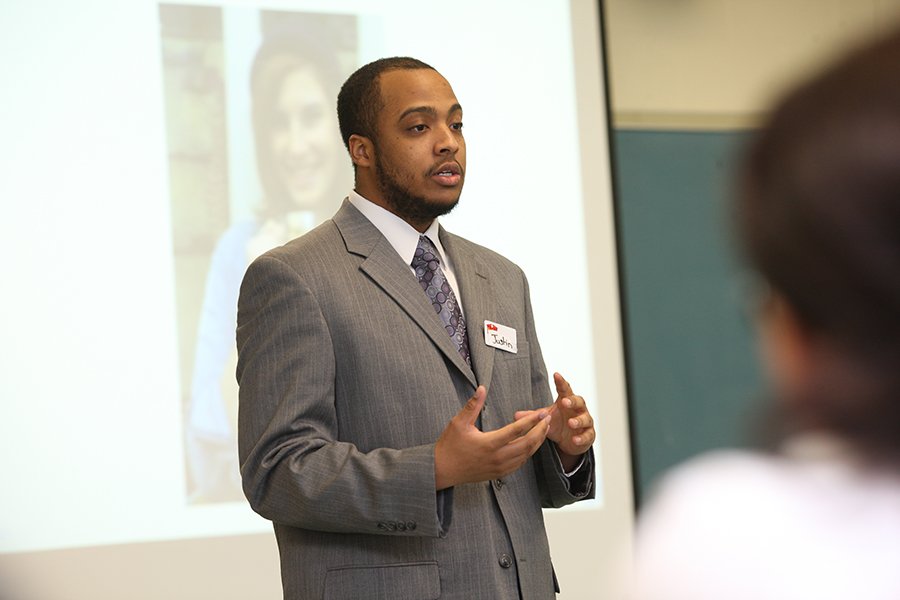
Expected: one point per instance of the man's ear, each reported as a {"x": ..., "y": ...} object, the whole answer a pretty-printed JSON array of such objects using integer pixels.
[{"x": 362, "y": 150}]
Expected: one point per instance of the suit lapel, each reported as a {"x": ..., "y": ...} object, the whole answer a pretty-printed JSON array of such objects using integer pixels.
[
  {"x": 478, "y": 300},
  {"x": 385, "y": 267}
]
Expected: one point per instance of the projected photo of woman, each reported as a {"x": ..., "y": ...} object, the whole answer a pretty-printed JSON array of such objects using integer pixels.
[
  {"x": 294, "y": 125},
  {"x": 302, "y": 175}
]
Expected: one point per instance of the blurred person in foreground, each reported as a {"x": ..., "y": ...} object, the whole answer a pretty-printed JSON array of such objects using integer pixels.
[{"x": 818, "y": 216}]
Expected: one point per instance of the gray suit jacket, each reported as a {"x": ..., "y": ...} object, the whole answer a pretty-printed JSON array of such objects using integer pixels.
[{"x": 347, "y": 379}]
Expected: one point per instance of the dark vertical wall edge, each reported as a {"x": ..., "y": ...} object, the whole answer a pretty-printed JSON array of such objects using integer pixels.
[{"x": 623, "y": 304}]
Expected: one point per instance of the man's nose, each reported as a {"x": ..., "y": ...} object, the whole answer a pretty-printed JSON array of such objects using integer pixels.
[{"x": 448, "y": 143}]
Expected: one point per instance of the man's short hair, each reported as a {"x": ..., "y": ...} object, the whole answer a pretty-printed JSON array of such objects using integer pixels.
[{"x": 359, "y": 100}]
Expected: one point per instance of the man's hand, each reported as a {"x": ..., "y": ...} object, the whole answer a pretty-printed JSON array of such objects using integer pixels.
[
  {"x": 571, "y": 425},
  {"x": 464, "y": 454}
]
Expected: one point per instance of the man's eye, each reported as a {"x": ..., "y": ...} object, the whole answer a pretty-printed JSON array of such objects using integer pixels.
[
  {"x": 417, "y": 128},
  {"x": 457, "y": 126}
]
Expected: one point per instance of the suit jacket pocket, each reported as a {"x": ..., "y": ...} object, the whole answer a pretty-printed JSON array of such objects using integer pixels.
[{"x": 400, "y": 581}]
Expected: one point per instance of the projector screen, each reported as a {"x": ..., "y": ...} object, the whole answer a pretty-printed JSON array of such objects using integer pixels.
[{"x": 149, "y": 155}]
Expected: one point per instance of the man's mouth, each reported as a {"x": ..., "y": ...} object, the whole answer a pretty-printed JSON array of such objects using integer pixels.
[{"x": 448, "y": 174}]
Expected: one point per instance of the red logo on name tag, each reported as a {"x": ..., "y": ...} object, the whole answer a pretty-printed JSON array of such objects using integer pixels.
[{"x": 491, "y": 327}]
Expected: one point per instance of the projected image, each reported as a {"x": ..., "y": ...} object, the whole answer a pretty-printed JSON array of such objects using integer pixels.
[{"x": 255, "y": 159}]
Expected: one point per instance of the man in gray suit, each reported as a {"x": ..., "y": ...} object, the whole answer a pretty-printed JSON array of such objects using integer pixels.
[{"x": 396, "y": 422}]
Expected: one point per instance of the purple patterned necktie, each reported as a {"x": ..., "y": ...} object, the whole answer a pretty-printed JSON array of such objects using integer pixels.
[{"x": 427, "y": 265}]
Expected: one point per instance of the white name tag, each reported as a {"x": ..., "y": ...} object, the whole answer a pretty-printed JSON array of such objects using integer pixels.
[{"x": 500, "y": 336}]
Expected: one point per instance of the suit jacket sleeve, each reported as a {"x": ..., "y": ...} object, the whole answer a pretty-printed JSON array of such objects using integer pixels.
[{"x": 294, "y": 471}]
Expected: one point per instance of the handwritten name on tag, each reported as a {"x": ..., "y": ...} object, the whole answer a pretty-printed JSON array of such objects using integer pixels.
[{"x": 500, "y": 337}]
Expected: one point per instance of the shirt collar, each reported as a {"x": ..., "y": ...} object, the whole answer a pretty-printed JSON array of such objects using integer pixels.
[{"x": 401, "y": 235}]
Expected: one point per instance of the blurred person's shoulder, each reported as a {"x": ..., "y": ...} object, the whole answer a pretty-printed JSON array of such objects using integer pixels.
[
  {"x": 805, "y": 465},
  {"x": 715, "y": 485},
  {"x": 745, "y": 524},
  {"x": 807, "y": 474}
]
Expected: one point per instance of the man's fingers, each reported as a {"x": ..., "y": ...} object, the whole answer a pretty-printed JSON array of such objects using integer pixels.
[
  {"x": 469, "y": 413},
  {"x": 501, "y": 451},
  {"x": 517, "y": 451},
  {"x": 519, "y": 414},
  {"x": 533, "y": 438},
  {"x": 581, "y": 422},
  {"x": 563, "y": 388},
  {"x": 585, "y": 438},
  {"x": 576, "y": 403},
  {"x": 573, "y": 405},
  {"x": 518, "y": 428}
]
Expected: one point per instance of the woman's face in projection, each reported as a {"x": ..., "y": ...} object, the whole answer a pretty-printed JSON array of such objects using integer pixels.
[{"x": 304, "y": 138}]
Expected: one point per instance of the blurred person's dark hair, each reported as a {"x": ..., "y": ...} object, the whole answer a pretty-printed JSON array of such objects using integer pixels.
[
  {"x": 818, "y": 215},
  {"x": 276, "y": 58}
]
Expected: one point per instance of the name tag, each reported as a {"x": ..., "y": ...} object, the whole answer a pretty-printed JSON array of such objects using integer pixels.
[{"x": 500, "y": 336}]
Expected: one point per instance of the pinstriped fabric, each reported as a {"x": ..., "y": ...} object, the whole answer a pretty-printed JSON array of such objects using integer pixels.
[{"x": 346, "y": 382}]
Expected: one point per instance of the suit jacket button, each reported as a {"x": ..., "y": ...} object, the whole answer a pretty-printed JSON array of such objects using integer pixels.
[
  {"x": 410, "y": 525},
  {"x": 505, "y": 561},
  {"x": 382, "y": 526},
  {"x": 401, "y": 526},
  {"x": 392, "y": 526}
]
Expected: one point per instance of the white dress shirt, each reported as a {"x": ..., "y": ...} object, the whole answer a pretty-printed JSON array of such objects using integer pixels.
[{"x": 404, "y": 237}]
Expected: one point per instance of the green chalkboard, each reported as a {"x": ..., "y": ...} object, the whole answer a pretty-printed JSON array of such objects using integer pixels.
[{"x": 694, "y": 380}]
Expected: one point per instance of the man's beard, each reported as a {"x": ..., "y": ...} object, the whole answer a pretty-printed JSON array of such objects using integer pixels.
[{"x": 403, "y": 203}]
